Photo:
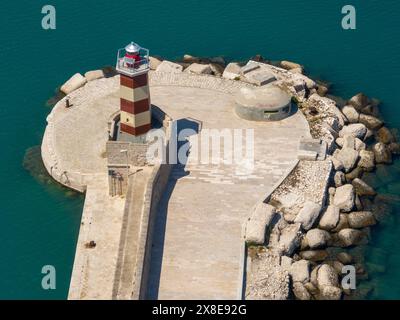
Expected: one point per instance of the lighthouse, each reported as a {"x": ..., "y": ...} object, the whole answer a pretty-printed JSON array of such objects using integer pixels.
[{"x": 135, "y": 110}]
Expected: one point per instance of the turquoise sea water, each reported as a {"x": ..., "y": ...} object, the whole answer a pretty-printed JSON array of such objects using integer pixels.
[{"x": 39, "y": 221}]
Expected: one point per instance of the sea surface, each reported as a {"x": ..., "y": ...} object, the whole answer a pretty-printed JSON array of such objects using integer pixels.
[{"x": 39, "y": 221}]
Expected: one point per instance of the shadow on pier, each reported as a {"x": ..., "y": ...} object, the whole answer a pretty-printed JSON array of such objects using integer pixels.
[{"x": 178, "y": 171}]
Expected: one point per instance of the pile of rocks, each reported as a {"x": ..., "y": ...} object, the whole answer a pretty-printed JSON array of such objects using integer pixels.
[
  {"x": 315, "y": 238},
  {"x": 77, "y": 80}
]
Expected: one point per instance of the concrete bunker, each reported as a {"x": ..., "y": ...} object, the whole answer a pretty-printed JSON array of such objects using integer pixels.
[{"x": 269, "y": 103}]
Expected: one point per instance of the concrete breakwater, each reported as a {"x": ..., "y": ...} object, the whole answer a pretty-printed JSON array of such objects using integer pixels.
[{"x": 143, "y": 248}]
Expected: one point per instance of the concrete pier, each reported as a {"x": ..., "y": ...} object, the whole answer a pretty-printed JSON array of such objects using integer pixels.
[{"x": 197, "y": 242}]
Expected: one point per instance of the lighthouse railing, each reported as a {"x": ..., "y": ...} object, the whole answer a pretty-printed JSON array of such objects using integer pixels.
[{"x": 137, "y": 67}]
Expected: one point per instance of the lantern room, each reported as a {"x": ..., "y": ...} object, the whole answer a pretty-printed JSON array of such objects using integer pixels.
[{"x": 133, "y": 60}]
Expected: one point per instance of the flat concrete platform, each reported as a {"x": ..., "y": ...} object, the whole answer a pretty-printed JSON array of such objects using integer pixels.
[{"x": 198, "y": 245}]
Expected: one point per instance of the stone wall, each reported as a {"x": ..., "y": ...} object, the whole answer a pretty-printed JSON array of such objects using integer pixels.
[
  {"x": 136, "y": 153},
  {"x": 154, "y": 192}
]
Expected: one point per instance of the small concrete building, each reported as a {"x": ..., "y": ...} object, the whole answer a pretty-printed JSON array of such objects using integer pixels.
[{"x": 269, "y": 103}]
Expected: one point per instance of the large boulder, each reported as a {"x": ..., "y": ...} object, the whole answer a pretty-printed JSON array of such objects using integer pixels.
[
  {"x": 370, "y": 122},
  {"x": 232, "y": 71},
  {"x": 362, "y": 189},
  {"x": 327, "y": 276},
  {"x": 357, "y": 130},
  {"x": 258, "y": 222},
  {"x": 330, "y": 293},
  {"x": 314, "y": 255},
  {"x": 308, "y": 215},
  {"x": 359, "y": 101},
  {"x": 371, "y": 110},
  {"x": 344, "y": 258},
  {"x": 197, "y": 68},
  {"x": 355, "y": 173},
  {"x": 394, "y": 148},
  {"x": 344, "y": 198},
  {"x": 349, "y": 142},
  {"x": 382, "y": 153},
  {"x": 359, "y": 145},
  {"x": 154, "y": 62},
  {"x": 75, "y": 82},
  {"x": 367, "y": 160},
  {"x": 361, "y": 219},
  {"x": 339, "y": 179},
  {"x": 300, "y": 291},
  {"x": 349, "y": 237},
  {"x": 342, "y": 224},
  {"x": 317, "y": 238},
  {"x": 168, "y": 66},
  {"x": 351, "y": 114},
  {"x": 330, "y": 218},
  {"x": 385, "y": 136},
  {"x": 289, "y": 239},
  {"x": 216, "y": 69},
  {"x": 300, "y": 271},
  {"x": 337, "y": 164},
  {"x": 348, "y": 157},
  {"x": 94, "y": 75},
  {"x": 288, "y": 65}
]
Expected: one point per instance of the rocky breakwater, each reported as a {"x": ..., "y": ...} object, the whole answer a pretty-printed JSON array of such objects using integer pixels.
[
  {"x": 336, "y": 234},
  {"x": 324, "y": 210}
]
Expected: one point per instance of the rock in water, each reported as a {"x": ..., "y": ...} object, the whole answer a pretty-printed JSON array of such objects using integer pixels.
[
  {"x": 288, "y": 65},
  {"x": 382, "y": 153},
  {"x": 75, "y": 82},
  {"x": 370, "y": 122},
  {"x": 349, "y": 237},
  {"x": 351, "y": 114},
  {"x": 359, "y": 101},
  {"x": 385, "y": 136},
  {"x": 344, "y": 258},
  {"x": 94, "y": 75},
  {"x": 361, "y": 219},
  {"x": 317, "y": 238},
  {"x": 314, "y": 255},
  {"x": 367, "y": 160},
  {"x": 357, "y": 130},
  {"x": 344, "y": 198},
  {"x": 362, "y": 189},
  {"x": 308, "y": 215}
]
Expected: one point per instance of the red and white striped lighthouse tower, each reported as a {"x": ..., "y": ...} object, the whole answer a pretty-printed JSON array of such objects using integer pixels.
[{"x": 133, "y": 67}]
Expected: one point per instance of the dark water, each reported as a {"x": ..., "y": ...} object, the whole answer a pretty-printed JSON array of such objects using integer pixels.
[{"x": 39, "y": 222}]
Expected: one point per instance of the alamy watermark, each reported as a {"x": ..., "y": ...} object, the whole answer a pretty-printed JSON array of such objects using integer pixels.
[
  {"x": 210, "y": 146},
  {"x": 349, "y": 21},
  {"x": 49, "y": 278},
  {"x": 49, "y": 19}
]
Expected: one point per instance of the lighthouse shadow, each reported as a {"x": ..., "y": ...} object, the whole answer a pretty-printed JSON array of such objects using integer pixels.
[{"x": 178, "y": 171}]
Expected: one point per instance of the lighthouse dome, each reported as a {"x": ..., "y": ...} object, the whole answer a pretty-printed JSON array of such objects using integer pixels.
[{"x": 132, "y": 48}]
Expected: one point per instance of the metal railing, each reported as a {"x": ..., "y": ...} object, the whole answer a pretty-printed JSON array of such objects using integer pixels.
[{"x": 131, "y": 67}]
